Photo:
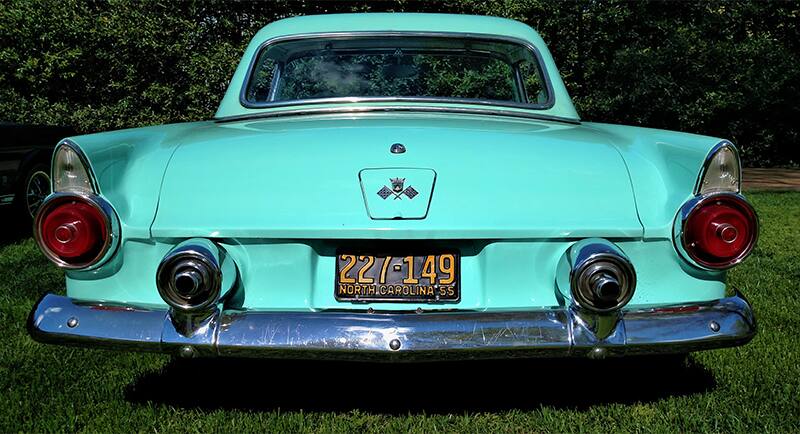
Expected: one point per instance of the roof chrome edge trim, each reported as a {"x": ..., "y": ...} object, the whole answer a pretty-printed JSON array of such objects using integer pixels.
[
  {"x": 84, "y": 160},
  {"x": 342, "y": 35},
  {"x": 707, "y": 162},
  {"x": 344, "y": 109}
]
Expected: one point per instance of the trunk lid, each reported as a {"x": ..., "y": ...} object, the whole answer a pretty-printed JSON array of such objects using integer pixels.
[{"x": 324, "y": 177}]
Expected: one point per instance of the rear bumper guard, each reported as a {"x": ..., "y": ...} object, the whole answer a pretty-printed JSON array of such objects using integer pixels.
[{"x": 556, "y": 332}]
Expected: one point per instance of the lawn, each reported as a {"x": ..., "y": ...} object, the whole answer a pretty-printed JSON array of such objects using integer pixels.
[{"x": 754, "y": 388}]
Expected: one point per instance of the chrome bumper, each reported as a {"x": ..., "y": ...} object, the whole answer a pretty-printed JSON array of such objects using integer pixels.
[{"x": 554, "y": 332}]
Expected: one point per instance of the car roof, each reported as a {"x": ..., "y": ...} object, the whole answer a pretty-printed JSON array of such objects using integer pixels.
[
  {"x": 401, "y": 22},
  {"x": 562, "y": 107}
]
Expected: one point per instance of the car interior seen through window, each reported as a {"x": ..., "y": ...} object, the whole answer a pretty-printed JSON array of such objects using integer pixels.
[{"x": 392, "y": 67}]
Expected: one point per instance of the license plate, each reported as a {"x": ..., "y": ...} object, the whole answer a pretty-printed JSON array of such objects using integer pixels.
[{"x": 430, "y": 278}]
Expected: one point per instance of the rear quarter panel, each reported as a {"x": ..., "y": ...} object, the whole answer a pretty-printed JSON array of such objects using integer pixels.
[
  {"x": 663, "y": 166},
  {"x": 129, "y": 166}
]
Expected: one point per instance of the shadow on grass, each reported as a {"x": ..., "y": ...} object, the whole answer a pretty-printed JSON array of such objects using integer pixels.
[
  {"x": 431, "y": 388},
  {"x": 13, "y": 228}
]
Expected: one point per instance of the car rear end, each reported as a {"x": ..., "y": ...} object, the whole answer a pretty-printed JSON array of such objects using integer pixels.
[
  {"x": 373, "y": 189},
  {"x": 517, "y": 279}
]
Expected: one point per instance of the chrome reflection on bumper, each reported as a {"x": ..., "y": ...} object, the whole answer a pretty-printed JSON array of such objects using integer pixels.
[{"x": 554, "y": 332}]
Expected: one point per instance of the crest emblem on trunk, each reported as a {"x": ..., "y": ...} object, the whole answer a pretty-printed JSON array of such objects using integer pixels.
[{"x": 397, "y": 189}]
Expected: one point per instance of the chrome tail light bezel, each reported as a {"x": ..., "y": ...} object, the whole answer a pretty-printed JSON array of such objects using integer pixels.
[
  {"x": 89, "y": 184},
  {"x": 700, "y": 184},
  {"x": 697, "y": 202},
  {"x": 110, "y": 220}
]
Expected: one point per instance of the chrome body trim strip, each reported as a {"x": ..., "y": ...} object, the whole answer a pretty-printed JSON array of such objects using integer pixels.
[
  {"x": 555, "y": 332},
  {"x": 346, "y": 108},
  {"x": 391, "y": 99}
]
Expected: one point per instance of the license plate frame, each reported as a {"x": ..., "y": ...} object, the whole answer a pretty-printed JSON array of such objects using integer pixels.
[{"x": 391, "y": 288}]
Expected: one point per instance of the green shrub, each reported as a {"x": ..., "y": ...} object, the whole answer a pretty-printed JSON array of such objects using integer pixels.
[{"x": 726, "y": 69}]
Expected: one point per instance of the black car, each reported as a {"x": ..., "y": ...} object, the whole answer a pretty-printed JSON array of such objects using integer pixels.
[{"x": 25, "y": 154}]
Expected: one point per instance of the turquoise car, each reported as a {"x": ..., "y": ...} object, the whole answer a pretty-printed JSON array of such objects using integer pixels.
[{"x": 396, "y": 187}]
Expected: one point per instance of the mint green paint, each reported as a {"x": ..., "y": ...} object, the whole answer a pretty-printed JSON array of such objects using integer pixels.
[
  {"x": 130, "y": 277},
  {"x": 129, "y": 165},
  {"x": 400, "y": 22},
  {"x": 663, "y": 165},
  {"x": 496, "y": 275},
  {"x": 496, "y": 177},
  {"x": 397, "y": 205},
  {"x": 511, "y": 194}
]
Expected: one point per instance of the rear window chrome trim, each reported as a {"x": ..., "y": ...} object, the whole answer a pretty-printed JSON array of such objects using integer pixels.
[
  {"x": 344, "y": 35},
  {"x": 358, "y": 109}
]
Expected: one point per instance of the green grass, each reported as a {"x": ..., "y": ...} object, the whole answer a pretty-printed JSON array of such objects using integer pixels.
[{"x": 753, "y": 388}]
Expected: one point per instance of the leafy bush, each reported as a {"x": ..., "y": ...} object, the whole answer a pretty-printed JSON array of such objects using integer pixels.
[{"x": 726, "y": 69}]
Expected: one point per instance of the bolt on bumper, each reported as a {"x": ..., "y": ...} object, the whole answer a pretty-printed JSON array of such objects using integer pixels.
[{"x": 556, "y": 332}]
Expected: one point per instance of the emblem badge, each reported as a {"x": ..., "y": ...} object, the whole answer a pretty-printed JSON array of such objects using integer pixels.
[
  {"x": 397, "y": 189},
  {"x": 397, "y": 148}
]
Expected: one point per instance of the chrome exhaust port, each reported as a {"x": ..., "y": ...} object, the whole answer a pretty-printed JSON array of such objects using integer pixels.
[
  {"x": 597, "y": 280},
  {"x": 601, "y": 277},
  {"x": 192, "y": 279}
]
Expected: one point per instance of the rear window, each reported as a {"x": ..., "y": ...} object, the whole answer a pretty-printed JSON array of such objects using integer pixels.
[{"x": 426, "y": 68}]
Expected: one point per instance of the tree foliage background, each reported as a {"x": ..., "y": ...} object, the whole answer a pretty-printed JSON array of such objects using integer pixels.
[{"x": 727, "y": 69}]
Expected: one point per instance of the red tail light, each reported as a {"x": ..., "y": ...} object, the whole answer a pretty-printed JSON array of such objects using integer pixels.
[
  {"x": 74, "y": 230},
  {"x": 719, "y": 231}
]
